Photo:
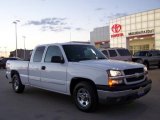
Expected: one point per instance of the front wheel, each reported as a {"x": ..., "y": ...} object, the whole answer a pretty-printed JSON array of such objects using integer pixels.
[
  {"x": 85, "y": 97},
  {"x": 17, "y": 86}
]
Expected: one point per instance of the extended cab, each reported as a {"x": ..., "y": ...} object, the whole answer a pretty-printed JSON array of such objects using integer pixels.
[{"x": 81, "y": 71}]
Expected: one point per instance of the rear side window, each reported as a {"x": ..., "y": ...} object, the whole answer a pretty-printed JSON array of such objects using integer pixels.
[
  {"x": 155, "y": 53},
  {"x": 123, "y": 52},
  {"x": 112, "y": 53},
  {"x": 38, "y": 54}
]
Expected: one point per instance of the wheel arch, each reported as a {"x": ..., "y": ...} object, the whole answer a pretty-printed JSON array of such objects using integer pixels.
[
  {"x": 77, "y": 80},
  {"x": 13, "y": 72}
]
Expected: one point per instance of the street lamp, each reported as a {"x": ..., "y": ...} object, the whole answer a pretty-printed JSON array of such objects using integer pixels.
[
  {"x": 15, "y": 22},
  {"x": 24, "y": 55}
]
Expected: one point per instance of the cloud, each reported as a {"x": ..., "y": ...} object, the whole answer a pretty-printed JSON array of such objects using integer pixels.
[
  {"x": 99, "y": 9},
  {"x": 50, "y": 24},
  {"x": 116, "y": 15},
  {"x": 79, "y": 29},
  {"x": 47, "y": 21}
]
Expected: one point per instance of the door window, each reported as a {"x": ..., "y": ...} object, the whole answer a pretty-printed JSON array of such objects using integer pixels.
[
  {"x": 52, "y": 51},
  {"x": 38, "y": 54}
]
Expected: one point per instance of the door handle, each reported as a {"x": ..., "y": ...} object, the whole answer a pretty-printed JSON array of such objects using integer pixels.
[{"x": 43, "y": 67}]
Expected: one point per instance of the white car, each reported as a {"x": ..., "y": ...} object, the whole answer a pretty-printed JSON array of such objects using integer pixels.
[{"x": 81, "y": 71}]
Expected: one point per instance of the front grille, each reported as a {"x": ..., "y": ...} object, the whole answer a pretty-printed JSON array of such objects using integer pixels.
[
  {"x": 133, "y": 79},
  {"x": 133, "y": 71}
]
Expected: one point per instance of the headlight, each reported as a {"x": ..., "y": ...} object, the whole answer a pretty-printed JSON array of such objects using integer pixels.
[
  {"x": 114, "y": 73},
  {"x": 114, "y": 77},
  {"x": 145, "y": 69}
]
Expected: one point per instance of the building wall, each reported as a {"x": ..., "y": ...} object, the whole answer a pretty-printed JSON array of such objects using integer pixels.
[
  {"x": 99, "y": 34},
  {"x": 20, "y": 54},
  {"x": 149, "y": 20}
]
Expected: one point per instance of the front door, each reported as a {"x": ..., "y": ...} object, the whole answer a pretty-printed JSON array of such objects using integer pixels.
[{"x": 53, "y": 75}]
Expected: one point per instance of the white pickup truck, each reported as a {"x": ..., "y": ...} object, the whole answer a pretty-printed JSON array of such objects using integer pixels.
[{"x": 82, "y": 71}]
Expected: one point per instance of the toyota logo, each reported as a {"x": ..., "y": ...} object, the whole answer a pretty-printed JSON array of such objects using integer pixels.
[{"x": 116, "y": 28}]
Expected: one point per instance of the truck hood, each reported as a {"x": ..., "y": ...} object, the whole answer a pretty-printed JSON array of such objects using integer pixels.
[{"x": 110, "y": 64}]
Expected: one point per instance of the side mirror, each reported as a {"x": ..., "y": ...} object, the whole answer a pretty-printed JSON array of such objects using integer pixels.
[
  {"x": 57, "y": 59},
  {"x": 150, "y": 55}
]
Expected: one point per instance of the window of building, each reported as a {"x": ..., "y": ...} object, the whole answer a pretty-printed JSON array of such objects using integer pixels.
[
  {"x": 144, "y": 18},
  {"x": 157, "y": 29},
  {"x": 122, "y": 22},
  {"x": 144, "y": 25},
  {"x": 150, "y": 24},
  {"x": 151, "y": 17},
  {"x": 138, "y": 26},
  {"x": 127, "y": 27},
  {"x": 38, "y": 54},
  {"x": 133, "y": 26},
  {"x": 157, "y": 16},
  {"x": 133, "y": 20},
  {"x": 52, "y": 51},
  {"x": 138, "y": 19},
  {"x": 127, "y": 20},
  {"x": 157, "y": 23}
]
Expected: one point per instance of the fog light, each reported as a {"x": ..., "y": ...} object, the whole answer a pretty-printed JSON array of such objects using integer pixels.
[{"x": 114, "y": 82}]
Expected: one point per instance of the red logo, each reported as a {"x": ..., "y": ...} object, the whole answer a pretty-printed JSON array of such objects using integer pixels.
[{"x": 116, "y": 28}]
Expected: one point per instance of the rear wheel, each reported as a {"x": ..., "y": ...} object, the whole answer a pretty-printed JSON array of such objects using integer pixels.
[
  {"x": 85, "y": 97},
  {"x": 17, "y": 86}
]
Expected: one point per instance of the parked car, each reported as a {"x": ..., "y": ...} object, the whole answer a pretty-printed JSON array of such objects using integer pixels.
[
  {"x": 81, "y": 71},
  {"x": 117, "y": 54},
  {"x": 4, "y": 60},
  {"x": 147, "y": 57}
]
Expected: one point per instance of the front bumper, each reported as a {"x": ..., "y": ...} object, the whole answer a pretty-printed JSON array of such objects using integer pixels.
[{"x": 107, "y": 94}]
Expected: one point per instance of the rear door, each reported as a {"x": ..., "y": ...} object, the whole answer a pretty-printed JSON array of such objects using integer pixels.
[
  {"x": 35, "y": 67},
  {"x": 53, "y": 75}
]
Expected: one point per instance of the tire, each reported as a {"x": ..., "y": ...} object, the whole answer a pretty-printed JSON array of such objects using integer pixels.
[
  {"x": 85, "y": 97},
  {"x": 17, "y": 85}
]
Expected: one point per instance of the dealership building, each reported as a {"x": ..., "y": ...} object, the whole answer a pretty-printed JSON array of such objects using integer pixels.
[{"x": 140, "y": 31}]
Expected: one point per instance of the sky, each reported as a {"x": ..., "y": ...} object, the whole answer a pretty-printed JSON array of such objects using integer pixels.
[{"x": 58, "y": 21}]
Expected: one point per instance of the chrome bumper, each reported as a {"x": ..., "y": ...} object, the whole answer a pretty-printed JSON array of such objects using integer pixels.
[{"x": 130, "y": 93}]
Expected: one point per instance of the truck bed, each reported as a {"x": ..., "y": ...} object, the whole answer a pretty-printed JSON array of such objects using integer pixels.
[{"x": 21, "y": 67}]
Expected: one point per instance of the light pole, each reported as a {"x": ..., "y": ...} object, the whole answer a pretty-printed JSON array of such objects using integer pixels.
[
  {"x": 5, "y": 51},
  {"x": 15, "y": 22},
  {"x": 24, "y": 55}
]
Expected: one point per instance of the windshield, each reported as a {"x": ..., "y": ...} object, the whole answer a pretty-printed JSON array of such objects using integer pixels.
[{"x": 77, "y": 53}]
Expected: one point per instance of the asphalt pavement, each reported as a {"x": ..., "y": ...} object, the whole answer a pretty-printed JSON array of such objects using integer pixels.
[{"x": 37, "y": 104}]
